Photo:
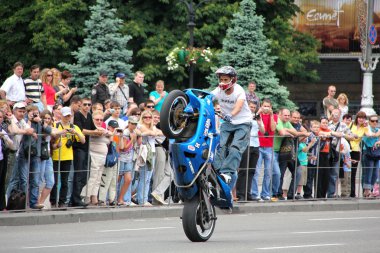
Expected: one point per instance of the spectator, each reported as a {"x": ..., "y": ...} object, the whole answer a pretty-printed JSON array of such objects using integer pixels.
[
  {"x": 97, "y": 107},
  {"x": 250, "y": 156},
  {"x": 115, "y": 115},
  {"x": 13, "y": 89},
  {"x": 18, "y": 126},
  {"x": 57, "y": 77},
  {"x": 329, "y": 102},
  {"x": 342, "y": 104},
  {"x": 120, "y": 91},
  {"x": 302, "y": 156},
  {"x": 83, "y": 120},
  {"x": 158, "y": 96},
  {"x": 359, "y": 129},
  {"x": 100, "y": 92},
  {"x": 162, "y": 176},
  {"x": 271, "y": 169},
  {"x": 149, "y": 133},
  {"x": 47, "y": 78},
  {"x": 66, "y": 93},
  {"x": 136, "y": 89},
  {"x": 251, "y": 95},
  {"x": 57, "y": 115},
  {"x": 98, "y": 152},
  {"x": 149, "y": 105},
  {"x": 109, "y": 176},
  {"x": 126, "y": 162},
  {"x": 75, "y": 105},
  {"x": 63, "y": 155},
  {"x": 6, "y": 143},
  {"x": 370, "y": 164},
  {"x": 34, "y": 89},
  {"x": 130, "y": 107}
]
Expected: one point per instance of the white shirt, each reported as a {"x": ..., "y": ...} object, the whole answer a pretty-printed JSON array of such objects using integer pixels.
[
  {"x": 122, "y": 123},
  {"x": 14, "y": 88},
  {"x": 228, "y": 102},
  {"x": 254, "y": 138}
]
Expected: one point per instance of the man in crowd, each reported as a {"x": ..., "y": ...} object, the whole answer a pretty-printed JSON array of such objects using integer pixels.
[
  {"x": 136, "y": 89},
  {"x": 34, "y": 89},
  {"x": 13, "y": 89},
  {"x": 100, "y": 92},
  {"x": 120, "y": 91},
  {"x": 329, "y": 102},
  {"x": 251, "y": 95}
]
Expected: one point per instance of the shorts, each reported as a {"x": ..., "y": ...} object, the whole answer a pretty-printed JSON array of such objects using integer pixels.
[{"x": 125, "y": 167}]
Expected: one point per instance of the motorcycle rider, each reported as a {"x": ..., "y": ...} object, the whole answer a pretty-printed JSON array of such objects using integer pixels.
[{"x": 235, "y": 130}]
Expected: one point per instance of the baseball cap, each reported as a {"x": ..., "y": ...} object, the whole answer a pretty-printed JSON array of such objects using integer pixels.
[
  {"x": 113, "y": 123},
  {"x": 19, "y": 105},
  {"x": 133, "y": 120},
  {"x": 103, "y": 73},
  {"x": 120, "y": 75},
  {"x": 66, "y": 111}
]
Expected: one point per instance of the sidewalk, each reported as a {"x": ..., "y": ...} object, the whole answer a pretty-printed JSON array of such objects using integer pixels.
[{"x": 175, "y": 210}]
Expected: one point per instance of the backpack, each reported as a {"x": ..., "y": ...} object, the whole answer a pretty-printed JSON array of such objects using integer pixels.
[
  {"x": 112, "y": 156},
  {"x": 16, "y": 200}
]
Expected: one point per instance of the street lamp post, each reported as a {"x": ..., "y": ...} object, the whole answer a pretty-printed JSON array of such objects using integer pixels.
[
  {"x": 191, "y": 9},
  {"x": 366, "y": 62}
]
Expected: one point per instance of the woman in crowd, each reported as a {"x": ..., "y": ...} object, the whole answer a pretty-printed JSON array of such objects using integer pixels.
[
  {"x": 343, "y": 104},
  {"x": 65, "y": 93},
  {"x": 47, "y": 78},
  {"x": 149, "y": 133},
  {"x": 98, "y": 153},
  {"x": 370, "y": 164},
  {"x": 158, "y": 96},
  {"x": 57, "y": 115}
]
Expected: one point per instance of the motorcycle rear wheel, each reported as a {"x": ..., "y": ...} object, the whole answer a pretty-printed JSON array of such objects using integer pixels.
[{"x": 197, "y": 222}]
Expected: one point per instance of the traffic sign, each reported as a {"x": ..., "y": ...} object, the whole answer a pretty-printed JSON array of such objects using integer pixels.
[{"x": 372, "y": 35}]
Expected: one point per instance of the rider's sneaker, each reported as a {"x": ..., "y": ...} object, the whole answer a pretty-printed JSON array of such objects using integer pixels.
[{"x": 226, "y": 178}]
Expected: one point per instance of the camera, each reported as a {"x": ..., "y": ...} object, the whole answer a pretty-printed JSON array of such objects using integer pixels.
[
  {"x": 35, "y": 115},
  {"x": 69, "y": 143},
  {"x": 119, "y": 130},
  {"x": 256, "y": 116}
]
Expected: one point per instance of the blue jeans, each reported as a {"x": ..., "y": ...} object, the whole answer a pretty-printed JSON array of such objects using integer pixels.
[
  {"x": 229, "y": 163},
  {"x": 370, "y": 174},
  {"x": 34, "y": 179},
  {"x": 266, "y": 155},
  {"x": 145, "y": 175},
  {"x": 47, "y": 173},
  {"x": 333, "y": 176}
]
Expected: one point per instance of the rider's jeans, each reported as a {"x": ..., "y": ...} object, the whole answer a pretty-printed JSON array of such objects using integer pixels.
[
  {"x": 231, "y": 162},
  {"x": 266, "y": 155}
]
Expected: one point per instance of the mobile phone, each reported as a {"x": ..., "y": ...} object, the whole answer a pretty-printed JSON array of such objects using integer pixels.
[{"x": 119, "y": 130}]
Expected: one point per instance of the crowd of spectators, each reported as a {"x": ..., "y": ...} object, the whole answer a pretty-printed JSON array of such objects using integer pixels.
[{"x": 55, "y": 144}]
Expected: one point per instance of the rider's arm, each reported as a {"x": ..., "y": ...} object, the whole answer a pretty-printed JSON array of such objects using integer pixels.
[{"x": 237, "y": 108}]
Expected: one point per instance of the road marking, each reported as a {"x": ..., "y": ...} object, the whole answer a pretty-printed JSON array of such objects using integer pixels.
[
  {"x": 69, "y": 245},
  {"x": 133, "y": 229},
  {"x": 351, "y": 218},
  {"x": 302, "y": 246},
  {"x": 332, "y": 231}
]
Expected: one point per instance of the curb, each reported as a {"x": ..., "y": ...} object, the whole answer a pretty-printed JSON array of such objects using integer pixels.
[{"x": 175, "y": 210}]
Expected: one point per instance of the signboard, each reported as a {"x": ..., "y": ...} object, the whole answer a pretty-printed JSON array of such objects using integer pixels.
[
  {"x": 334, "y": 23},
  {"x": 372, "y": 35}
]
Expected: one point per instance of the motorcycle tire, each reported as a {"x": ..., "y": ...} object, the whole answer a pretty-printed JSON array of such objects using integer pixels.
[
  {"x": 197, "y": 223},
  {"x": 172, "y": 124}
]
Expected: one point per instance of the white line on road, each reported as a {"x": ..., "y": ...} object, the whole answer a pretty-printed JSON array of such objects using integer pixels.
[
  {"x": 133, "y": 229},
  {"x": 69, "y": 245},
  {"x": 331, "y": 231},
  {"x": 349, "y": 218},
  {"x": 302, "y": 246}
]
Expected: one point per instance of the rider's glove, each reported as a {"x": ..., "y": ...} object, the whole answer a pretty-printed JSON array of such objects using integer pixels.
[{"x": 227, "y": 118}]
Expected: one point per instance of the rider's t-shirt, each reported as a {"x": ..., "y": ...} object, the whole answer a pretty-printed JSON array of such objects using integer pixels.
[{"x": 227, "y": 103}]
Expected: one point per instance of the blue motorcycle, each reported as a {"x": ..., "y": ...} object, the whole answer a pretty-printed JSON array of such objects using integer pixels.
[{"x": 188, "y": 120}]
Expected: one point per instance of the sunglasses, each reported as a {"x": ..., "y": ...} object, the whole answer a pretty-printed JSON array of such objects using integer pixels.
[
  {"x": 150, "y": 106},
  {"x": 86, "y": 104},
  {"x": 374, "y": 120},
  {"x": 147, "y": 117},
  {"x": 49, "y": 75}
]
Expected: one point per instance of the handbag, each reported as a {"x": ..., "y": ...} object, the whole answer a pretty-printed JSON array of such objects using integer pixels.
[
  {"x": 112, "y": 156},
  {"x": 287, "y": 152},
  {"x": 45, "y": 150},
  {"x": 373, "y": 152}
]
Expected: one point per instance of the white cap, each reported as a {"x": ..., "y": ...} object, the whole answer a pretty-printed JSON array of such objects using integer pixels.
[{"x": 66, "y": 111}]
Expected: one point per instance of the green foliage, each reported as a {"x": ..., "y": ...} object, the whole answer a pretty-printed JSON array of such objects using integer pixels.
[
  {"x": 104, "y": 49},
  {"x": 246, "y": 48}
]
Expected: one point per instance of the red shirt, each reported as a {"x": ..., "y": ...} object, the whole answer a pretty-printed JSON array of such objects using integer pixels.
[
  {"x": 50, "y": 94},
  {"x": 267, "y": 142}
]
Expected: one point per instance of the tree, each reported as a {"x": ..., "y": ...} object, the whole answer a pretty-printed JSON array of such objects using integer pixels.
[
  {"x": 104, "y": 49},
  {"x": 246, "y": 48}
]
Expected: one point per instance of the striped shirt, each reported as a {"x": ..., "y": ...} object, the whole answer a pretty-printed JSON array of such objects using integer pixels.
[{"x": 33, "y": 89}]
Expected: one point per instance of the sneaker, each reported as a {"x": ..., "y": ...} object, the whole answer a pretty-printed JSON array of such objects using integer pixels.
[
  {"x": 147, "y": 204},
  {"x": 274, "y": 199},
  {"x": 132, "y": 204},
  {"x": 257, "y": 198},
  {"x": 280, "y": 197},
  {"x": 298, "y": 197},
  {"x": 158, "y": 198},
  {"x": 226, "y": 178},
  {"x": 266, "y": 198}
]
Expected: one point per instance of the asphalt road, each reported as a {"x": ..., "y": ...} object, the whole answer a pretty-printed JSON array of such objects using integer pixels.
[{"x": 348, "y": 231}]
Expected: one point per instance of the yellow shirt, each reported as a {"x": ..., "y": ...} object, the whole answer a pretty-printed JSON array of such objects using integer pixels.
[
  {"x": 66, "y": 153},
  {"x": 359, "y": 131}
]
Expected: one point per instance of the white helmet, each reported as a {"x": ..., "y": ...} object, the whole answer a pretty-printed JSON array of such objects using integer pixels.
[{"x": 228, "y": 71}]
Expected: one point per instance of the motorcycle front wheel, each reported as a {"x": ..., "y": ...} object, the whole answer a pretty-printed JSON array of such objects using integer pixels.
[{"x": 197, "y": 221}]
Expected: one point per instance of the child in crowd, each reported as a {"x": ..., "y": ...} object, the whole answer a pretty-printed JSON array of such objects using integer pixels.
[{"x": 345, "y": 150}]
